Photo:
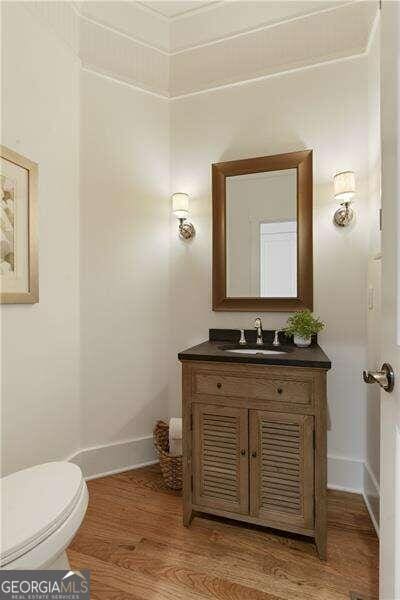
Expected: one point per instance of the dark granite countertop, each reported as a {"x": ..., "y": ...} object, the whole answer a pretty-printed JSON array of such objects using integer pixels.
[{"x": 216, "y": 350}]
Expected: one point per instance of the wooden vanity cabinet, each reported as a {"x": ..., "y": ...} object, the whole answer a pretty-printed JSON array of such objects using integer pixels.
[{"x": 254, "y": 443}]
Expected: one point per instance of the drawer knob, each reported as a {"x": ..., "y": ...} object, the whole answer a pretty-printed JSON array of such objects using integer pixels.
[
  {"x": 243, "y": 452},
  {"x": 219, "y": 385},
  {"x": 280, "y": 390},
  {"x": 254, "y": 454}
]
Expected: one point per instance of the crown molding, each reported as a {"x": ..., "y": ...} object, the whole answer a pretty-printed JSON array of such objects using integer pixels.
[
  {"x": 119, "y": 81},
  {"x": 190, "y": 12},
  {"x": 160, "y": 85},
  {"x": 103, "y": 50},
  {"x": 152, "y": 11},
  {"x": 194, "y": 11},
  {"x": 244, "y": 82},
  {"x": 117, "y": 31},
  {"x": 270, "y": 76},
  {"x": 181, "y": 15},
  {"x": 263, "y": 53},
  {"x": 263, "y": 27}
]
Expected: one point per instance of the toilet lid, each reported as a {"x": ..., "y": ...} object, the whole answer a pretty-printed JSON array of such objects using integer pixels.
[{"x": 34, "y": 503}]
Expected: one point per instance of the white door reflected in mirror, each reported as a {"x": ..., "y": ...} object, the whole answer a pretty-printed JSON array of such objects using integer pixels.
[
  {"x": 278, "y": 259},
  {"x": 261, "y": 235}
]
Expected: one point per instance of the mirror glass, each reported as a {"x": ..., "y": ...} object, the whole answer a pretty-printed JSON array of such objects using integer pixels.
[{"x": 261, "y": 235}]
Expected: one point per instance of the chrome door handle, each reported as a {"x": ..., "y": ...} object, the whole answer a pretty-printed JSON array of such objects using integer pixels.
[{"x": 385, "y": 377}]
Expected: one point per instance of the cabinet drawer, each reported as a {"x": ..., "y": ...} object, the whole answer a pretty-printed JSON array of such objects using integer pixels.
[{"x": 274, "y": 389}]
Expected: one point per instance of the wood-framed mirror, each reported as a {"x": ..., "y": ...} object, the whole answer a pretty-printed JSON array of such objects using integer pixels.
[{"x": 262, "y": 233}]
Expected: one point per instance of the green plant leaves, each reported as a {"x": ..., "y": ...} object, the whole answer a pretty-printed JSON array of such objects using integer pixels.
[{"x": 304, "y": 324}]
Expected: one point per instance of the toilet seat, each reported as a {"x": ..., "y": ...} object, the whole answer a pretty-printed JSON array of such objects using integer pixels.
[{"x": 41, "y": 509}]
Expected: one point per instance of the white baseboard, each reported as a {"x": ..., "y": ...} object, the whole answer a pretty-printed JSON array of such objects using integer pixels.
[
  {"x": 109, "y": 459},
  {"x": 345, "y": 474},
  {"x": 371, "y": 493},
  {"x": 122, "y": 470}
]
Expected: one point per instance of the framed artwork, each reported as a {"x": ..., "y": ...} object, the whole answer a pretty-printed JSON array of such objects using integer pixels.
[{"x": 19, "y": 282}]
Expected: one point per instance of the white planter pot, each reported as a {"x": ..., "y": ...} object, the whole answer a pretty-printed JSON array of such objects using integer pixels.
[{"x": 301, "y": 342}]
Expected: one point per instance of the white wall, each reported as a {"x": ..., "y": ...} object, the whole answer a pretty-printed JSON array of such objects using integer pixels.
[
  {"x": 323, "y": 108},
  {"x": 143, "y": 294},
  {"x": 124, "y": 267},
  {"x": 87, "y": 366},
  {"x": 40, "y": 343}
]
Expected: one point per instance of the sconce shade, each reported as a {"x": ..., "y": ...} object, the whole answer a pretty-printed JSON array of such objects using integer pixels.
[
  {"x": 344, "y": 186},
  {"x": 180, "y": 205}
]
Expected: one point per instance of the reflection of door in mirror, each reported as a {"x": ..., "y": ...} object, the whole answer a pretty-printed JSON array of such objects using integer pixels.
[
  {"x": 261, "y": 234},
  {"x": 278, "y": 259}
]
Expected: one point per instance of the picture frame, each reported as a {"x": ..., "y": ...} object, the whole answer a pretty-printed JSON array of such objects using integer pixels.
[{"x": 19, "y": 275}]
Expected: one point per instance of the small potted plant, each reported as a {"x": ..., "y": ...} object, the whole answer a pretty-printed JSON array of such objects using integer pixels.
[{"x": 301, "y": 325}]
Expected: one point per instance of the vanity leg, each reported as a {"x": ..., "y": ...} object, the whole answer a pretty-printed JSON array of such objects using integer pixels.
[
  {"x": 187, "y": 444},
  {"x": 320, "y": 542},
  {"x": 187, "y": 516},
  {"x": 321, "y": 470}
]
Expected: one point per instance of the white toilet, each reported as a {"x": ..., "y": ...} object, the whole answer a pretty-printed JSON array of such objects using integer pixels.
[{"x": 41, "y": 510}]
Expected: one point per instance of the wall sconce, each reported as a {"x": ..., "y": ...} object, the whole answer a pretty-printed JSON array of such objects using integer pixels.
[
  {"x": 344, "y": 189},
  {"x": 180, "y": 208}
]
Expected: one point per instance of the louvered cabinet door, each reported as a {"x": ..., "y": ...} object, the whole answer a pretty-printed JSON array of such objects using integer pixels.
[
  {"x": 220, "y": 458},
  {"x": 282, "y": 468}
]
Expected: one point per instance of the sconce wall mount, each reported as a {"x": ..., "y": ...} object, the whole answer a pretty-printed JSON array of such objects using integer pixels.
[
  {"x": 344, "y": 215},
  {"x": 180, "y": 208},
  {"x": 186, "y": 230},
  {"x": 344, "y": 190}
]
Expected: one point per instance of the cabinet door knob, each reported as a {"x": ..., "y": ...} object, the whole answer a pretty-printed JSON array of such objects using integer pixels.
[
  {"x": 219, "y": 385},
  {"x": 254, "y": 454},
  {"x": 280, "y": 390},
  {"x": 243, "y": 452}
]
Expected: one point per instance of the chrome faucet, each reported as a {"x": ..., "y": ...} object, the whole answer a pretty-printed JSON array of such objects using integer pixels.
[
  {"x": 276, "y": 341},
  {"x": 258, "y": 326}
]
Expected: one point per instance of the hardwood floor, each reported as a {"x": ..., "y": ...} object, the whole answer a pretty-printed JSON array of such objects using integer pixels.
[{"x": 133, "y": 541}]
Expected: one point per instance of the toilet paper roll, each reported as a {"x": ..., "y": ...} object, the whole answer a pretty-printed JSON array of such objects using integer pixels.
[
  {"x": 175, "y": 428},
  {"x": 175, "y": 447},
  {"x": 175, "y": 436}
]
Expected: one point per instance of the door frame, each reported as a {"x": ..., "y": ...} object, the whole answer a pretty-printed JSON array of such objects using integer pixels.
[{"x": 389, "y": 562}]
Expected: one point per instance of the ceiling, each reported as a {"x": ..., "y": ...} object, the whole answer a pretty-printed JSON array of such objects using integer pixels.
[{"x": 176, "y": 8}]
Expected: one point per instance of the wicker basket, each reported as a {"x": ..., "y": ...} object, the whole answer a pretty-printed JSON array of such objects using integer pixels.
[{"x": 171, "y": 466}]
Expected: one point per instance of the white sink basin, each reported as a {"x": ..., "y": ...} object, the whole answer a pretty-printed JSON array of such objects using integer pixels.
[{"x": 252, "y": 351}]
